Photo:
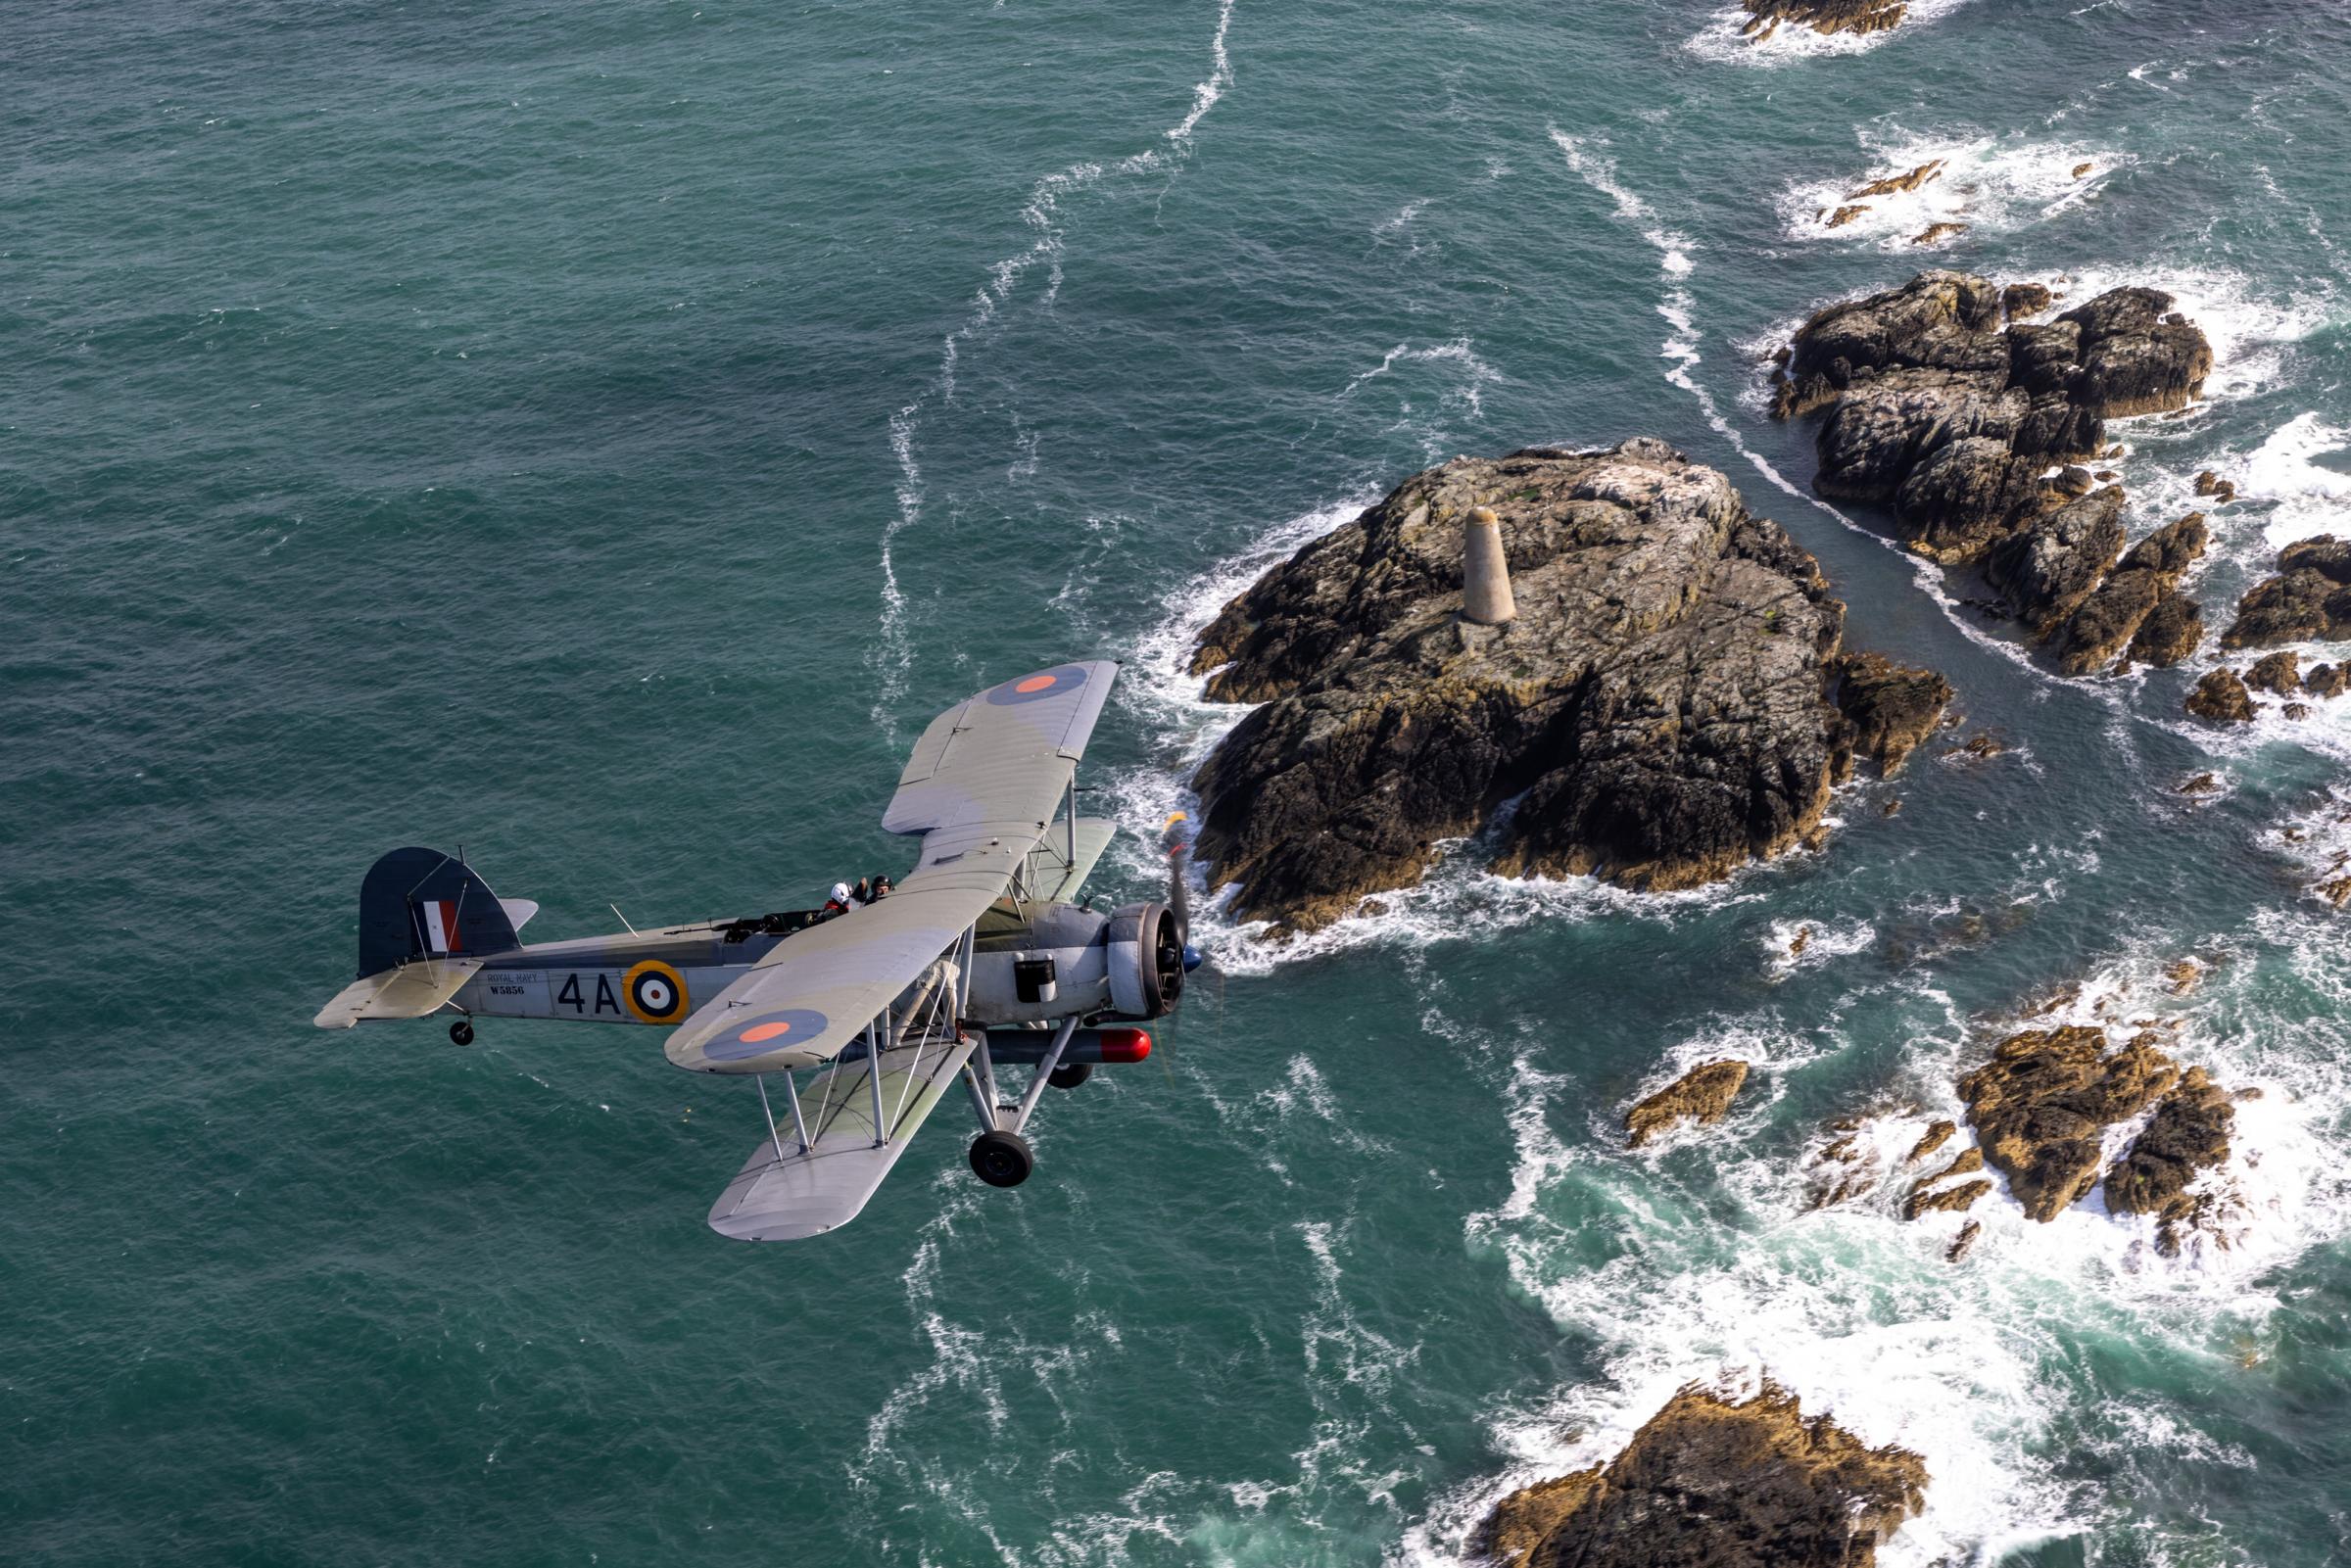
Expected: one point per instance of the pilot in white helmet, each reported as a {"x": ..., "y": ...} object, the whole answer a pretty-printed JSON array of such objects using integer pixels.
[{"x": 838, "y": 901}]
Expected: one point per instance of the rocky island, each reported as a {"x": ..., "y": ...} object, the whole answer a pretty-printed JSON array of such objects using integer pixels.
[
  {"x": 1656, "y": 700},
  {"x": 1764, "y": 16},
  {"x": 1970, "y": 426},
  {"x": 1723, "y": 1484}
]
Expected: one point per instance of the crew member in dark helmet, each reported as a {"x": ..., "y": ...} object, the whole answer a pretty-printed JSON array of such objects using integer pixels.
[{"x": 873, "y": 889}]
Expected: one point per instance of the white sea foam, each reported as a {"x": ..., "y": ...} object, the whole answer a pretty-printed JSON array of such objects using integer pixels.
[
  {"x": 1820, "y": 942},
  {"x": 2305, "y": 497},
  {"x": 1469, "y": 377},
  {"x": 1599, "y": 172},
  {"x": 1722, "y": 40},
  {"x": 1854, "y": 1309},
  {"x": 1985, "y": 182}
]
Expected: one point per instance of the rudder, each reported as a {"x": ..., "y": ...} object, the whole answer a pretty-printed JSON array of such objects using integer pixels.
[{"x": 421, "y": 903}]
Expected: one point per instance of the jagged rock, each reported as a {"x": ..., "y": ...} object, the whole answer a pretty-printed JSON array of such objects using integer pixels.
[
  {"x": 1826, "y": 16},
  {"x": 1934, "y": 1138},
  {"x": 2048, "y": 567},
  {"x": 1659, "y": 710},
  {"x": 1933, "y": 232},
  {"x": 2080, "y": 170},
  {"x": 1802, "y": 940},
  {"x": 1846, "y": 215},
  {"x": 2222, "y": 697},
  {"x": 2040, "y": 1104},
  {"x": 1890, "y": 707},
  {"x": 2309, "y": 598},
  {"x": 2183, "y": 976},
  {"x": 2188, "y": 1135},
  {"x": 1897, "y": 184},
  {"x": 1952, "y": 1200},
  {"x": 1963, "y": 1242},
  {"x": 2025, "y": 299},
  {"x": 2110, "y": 619},
  {"x": 2171, "y": 630},
  {"x": 1938, "y": 411},
  {"x": 1978, "y": 746},
  {"x": 1709, "y": 1483},
  {"x": 1703, "y": 1094},
  {"x": 2296, "y": 710},
  {"x": 2279, "y": 673},
  {"x": 2327, "y": 680},
  {"x": 2203, "y": 783},
  {"x": 2222, "y": 490},
  {"x": 1893, "y": 807}
]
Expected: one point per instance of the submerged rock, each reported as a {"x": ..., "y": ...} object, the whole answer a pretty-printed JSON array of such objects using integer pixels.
[
  {"x": 1964, "y": 1241},
  {"x": 1938, "y": 411},
  {"x": 1656, "y": 714},
  {"x": 1709, "y": 1482},
  {"x": 2309, "y": 598},
  {"x": 2040, "y": 1104},
  {"x": 1703, "y": 1094}
]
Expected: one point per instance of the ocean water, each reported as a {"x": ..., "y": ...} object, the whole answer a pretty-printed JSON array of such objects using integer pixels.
[{"x": 600, "y": 436}]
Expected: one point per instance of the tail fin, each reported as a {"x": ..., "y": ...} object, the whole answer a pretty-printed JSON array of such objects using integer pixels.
[{"x": 421, "y": 903}]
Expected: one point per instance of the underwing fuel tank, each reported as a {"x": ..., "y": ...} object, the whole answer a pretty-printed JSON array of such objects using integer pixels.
[{"x": 1068, "y": 961}]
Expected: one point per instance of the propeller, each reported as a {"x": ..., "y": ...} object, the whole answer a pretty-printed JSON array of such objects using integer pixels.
[{"x": 1175, "y": 838}]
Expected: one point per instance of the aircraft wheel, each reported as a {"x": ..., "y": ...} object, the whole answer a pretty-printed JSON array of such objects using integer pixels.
[
  {"x": 1002, "y": 1159},
  {"x": 1069, "y": 1075},
  {"x": 461, "y": 1033}
]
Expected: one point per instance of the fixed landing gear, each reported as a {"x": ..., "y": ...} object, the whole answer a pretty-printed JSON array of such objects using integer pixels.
[
  {"x": 1069, "y": 1075},
  {"x": 462, "y": 1032},
  {"x": 1002, "y": 1159}
]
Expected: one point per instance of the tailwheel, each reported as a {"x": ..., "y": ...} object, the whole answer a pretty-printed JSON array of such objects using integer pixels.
[
  {"x": 1002, "y": 1159},
  {"x": 1069, "y": 1075},
  {"x": 462, "y": 1032}
]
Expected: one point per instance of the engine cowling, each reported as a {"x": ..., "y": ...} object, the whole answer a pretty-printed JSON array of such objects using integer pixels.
[{"x": 1146, "y": 961}]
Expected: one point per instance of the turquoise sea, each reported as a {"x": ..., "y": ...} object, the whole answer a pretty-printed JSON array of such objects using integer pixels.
[{"x": 598, "y": 436}]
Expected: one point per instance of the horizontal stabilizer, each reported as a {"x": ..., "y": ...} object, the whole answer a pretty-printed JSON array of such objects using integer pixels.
[
  {"x": 784, "y": 1192},
  {"x": 410, "y": 991}
]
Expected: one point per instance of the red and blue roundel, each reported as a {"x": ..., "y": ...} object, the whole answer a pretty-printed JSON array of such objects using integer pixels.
[
  {"x": 763, "y": 1032},
  {"x": 1037, "y": 687}
]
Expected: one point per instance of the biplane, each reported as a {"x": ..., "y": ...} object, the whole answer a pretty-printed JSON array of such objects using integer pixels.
[{"x": 983, "y": 958}]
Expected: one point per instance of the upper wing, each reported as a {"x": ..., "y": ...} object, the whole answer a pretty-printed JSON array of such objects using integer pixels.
[{"x": 984, "y": 782}]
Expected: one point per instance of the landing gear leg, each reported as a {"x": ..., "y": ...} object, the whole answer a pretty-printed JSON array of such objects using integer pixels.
[{"x": 462, "y": 1032}]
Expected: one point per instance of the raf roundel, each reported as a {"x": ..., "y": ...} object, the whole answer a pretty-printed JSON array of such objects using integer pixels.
[
  {"x": 765, "y": 1032},
  {"x": 1037, "y": 687},
  {"x": 655, "y": 993}
]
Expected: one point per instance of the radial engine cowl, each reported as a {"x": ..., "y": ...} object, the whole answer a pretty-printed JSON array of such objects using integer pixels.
[{"x": 1146, "y": 961}]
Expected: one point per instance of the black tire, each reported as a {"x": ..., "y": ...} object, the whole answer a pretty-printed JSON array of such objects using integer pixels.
[
  {"x": 461, "y": 1033},
  {"x": 1002, "y": 1159},
  {"x": 1069, "y": 1075}
]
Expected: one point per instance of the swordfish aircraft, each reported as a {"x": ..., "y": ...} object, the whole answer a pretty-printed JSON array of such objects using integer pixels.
[{"x": 980, "y": 959}]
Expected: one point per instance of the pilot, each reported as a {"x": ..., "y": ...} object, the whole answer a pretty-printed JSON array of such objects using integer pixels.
[
  {"x": 873, "y": 889},
  {"x": 837, "y": 903}
]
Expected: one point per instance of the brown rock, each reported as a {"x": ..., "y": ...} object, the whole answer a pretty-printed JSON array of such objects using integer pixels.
[
  {"x": 2183, "y": 976},
  {"x": 2040, "y": 1105},
  {"x": 2080, "y": 170},
  {"x": 1934, "y": 1138},
  {"x": 1935, "y": 233},
  {"x": 2211, "y": 484},
  {"x": 1890, "y": 707},
  {"x": 1953, "y": 1200},
  {"x": 2279, "y": 673},
  {"x": 2309, "y": 597},
  {"x": 1703, "y": 1094},
  {"x": 2337, "y": 892},
  {"x": 2296, "y": 710},
  {"x": 2203, "y": 783},
  {"x": 2171, "y": 630},
  {"x": 2220, "y": 696},
  {"x": 1846, "y": 215},
  {"x": 2326, "y": 680},
  {"x": 2190, "y": 1134},
  {"x": 2025, "y": 299},
  {"x": 1980, "y": 745},
  {"x": 1895, "y": 184},
  {"x": 1707, "y": 1483},
  {"x": 1964, "y": 1241},
  {"x": 1825, "y": 16}
]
